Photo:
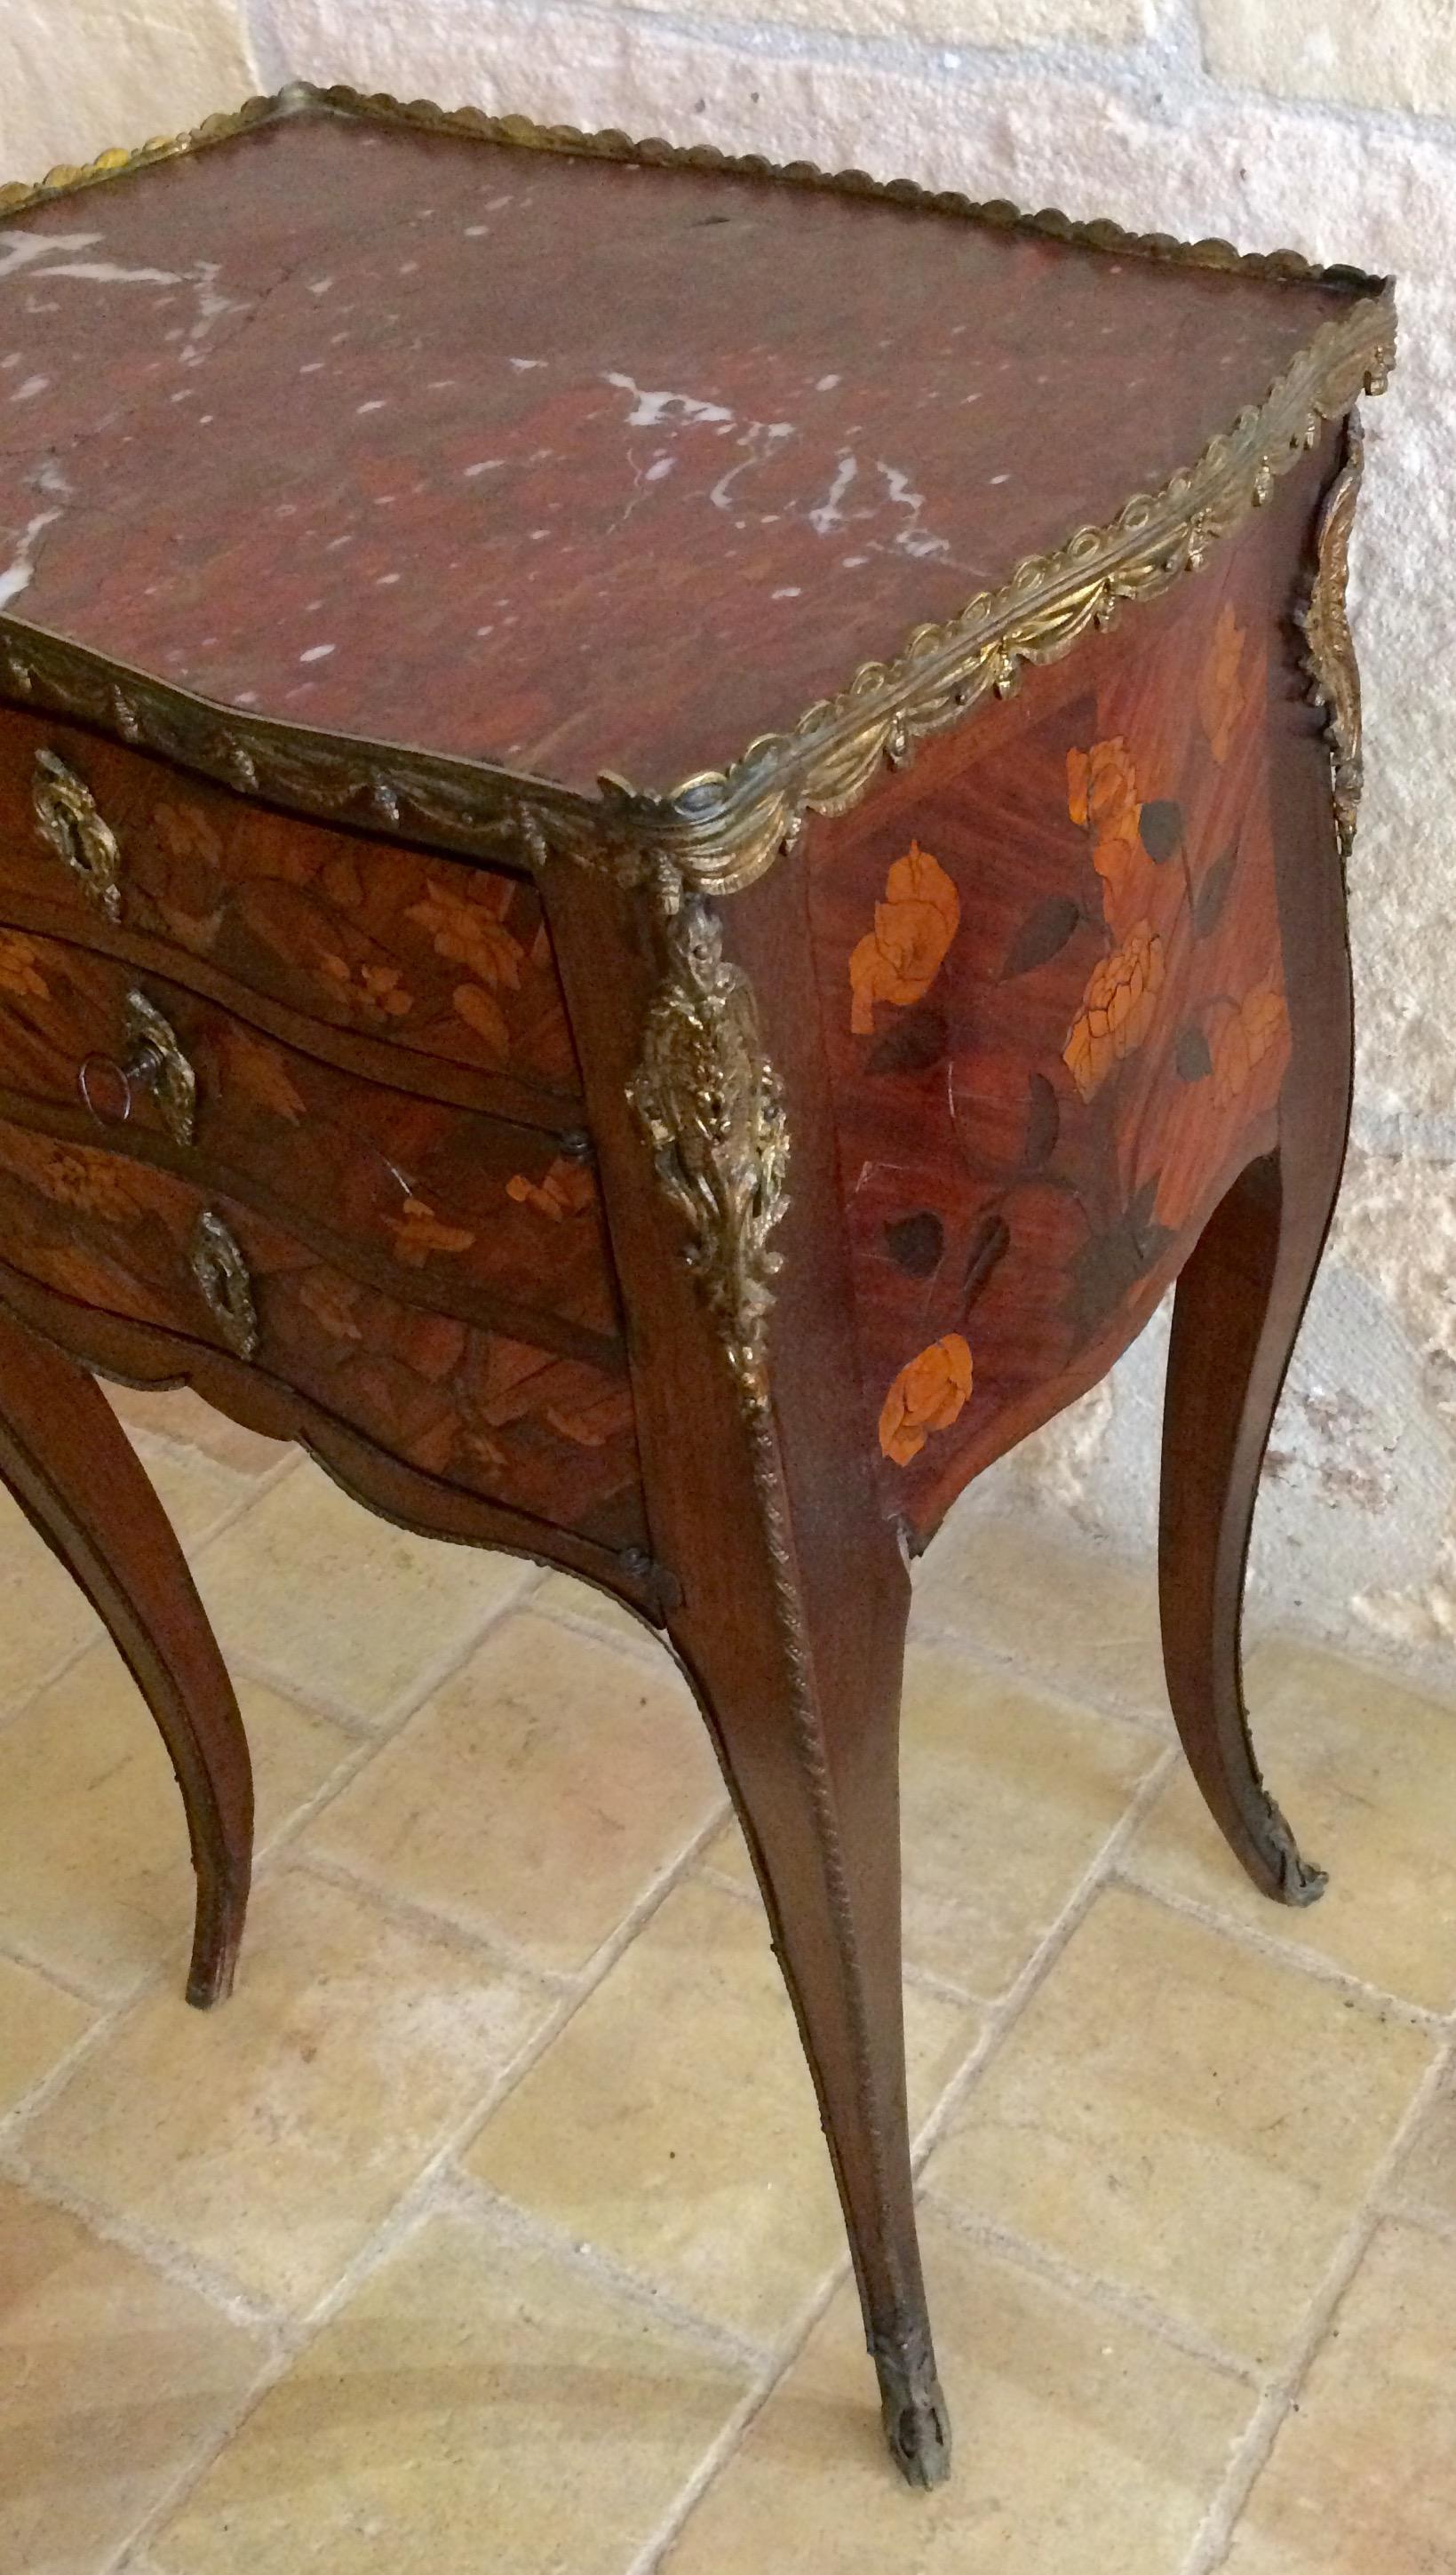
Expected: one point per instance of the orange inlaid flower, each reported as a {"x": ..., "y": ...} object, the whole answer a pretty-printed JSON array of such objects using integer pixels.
[
  {"x": 899, "y": 959},
  {"x": 467, "y": 933},
  {"x": 18, "y": 971},
  {"x": 378, "y": 991},
  {"x": 417, "y": 1233},
  {"x": 1101, "y": 789},
  {"x": 1242, "y": 1039},
  {"x": 76, "y": 1176},
  {"x": 929, "y": 1395},
  {"x": 333, "y": 1303},
  {"x": 566, "y": 1188},
  {"x": 1117, "y": 1009},
  {"x": 1101, "y": 795},
  {"x": 1223, "y": 689},
  {"x": 592, "y": 1424},
  {"x": 185, "y": 833}
]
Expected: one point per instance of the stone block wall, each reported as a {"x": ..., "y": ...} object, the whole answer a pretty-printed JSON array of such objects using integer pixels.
[{"x": 1328, "y": 125}]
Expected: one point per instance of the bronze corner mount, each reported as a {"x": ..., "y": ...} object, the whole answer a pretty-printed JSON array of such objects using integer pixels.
[
  {"x": 711, "y": 1106},
  {"x": 1329, "y": 653}
]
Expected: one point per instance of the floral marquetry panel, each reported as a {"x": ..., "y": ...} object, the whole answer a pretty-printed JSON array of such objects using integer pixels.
[
  {"x": 1051, "y": 975},
  {"x": 490, "y": 1412},
  {"x": 437, "y": 959},
  {"x": 491, "y": 1219}
]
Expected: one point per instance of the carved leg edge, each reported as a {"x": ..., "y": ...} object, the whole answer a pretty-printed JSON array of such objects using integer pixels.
[
  {"x": 69, "y": 1466},
  {"x": 912, "y": 2407},
  {"x": 1237, "y": 1311},
  {"x": 222, "y": 1912}
]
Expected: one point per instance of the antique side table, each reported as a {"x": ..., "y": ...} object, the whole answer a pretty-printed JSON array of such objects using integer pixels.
[{"x": 643, "y": 905}]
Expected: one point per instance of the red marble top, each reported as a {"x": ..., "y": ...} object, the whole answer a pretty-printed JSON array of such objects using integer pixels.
[{"x": 558, "y": 462}]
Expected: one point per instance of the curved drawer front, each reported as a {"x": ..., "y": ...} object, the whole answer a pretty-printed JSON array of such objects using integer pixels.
[
  {"x": 457, "y": 1210},
  {"x": 444, "y": 960},
  {"x": 492, "y": 1414}
]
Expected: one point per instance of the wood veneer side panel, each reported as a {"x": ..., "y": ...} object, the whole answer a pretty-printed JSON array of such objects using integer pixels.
[{"x": 1051, "y": 959}]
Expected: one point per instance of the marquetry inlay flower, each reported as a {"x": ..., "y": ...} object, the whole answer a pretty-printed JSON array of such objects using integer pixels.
[
  {"x": 591, "y": 1423},
  {"x": 1101, "y": 789},
  {"x": 566, "y": 1190},
  {"x": 899, "y": 959},
  {"x": 98, "y": 1183},
  {"x": 468, "y": 934},
  {"x": 417, "y": 1233},
  {"x": 1118, "y": 1009},
  {"x": 929, "y": 1395},
  {"x": 377, "y": 990},
  {"x": 187, "y": 833},
  {"x": 1102, "y": 798},
  {"x": 18, "y": 970},
  {"x": 333, "y": 1303},
  {"x": 1244, "y": 1033},
  {"x": 1224, "y": 688}
]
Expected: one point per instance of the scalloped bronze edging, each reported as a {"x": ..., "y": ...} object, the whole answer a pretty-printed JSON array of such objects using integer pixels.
[{"x": 724, "y": 828}]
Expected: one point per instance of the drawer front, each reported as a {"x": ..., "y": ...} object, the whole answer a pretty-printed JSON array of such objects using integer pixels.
[
  {"x": 487, "y": 1218},
  {"x": 444, "y": 960},
  {"x": 546, "y": 1435}
]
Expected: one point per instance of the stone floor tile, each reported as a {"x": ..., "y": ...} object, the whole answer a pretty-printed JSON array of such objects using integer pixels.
[
  {"x": 44, "y": 1615},
  {"x": 1084, "y": 2446},
  {"x": 1425, "y": 2183},
  {"x": 1006, "y": 1796},
  {"x": 95, "y": 1874},
  {"x": 268, "y": 2138},
  {"x": 176, "y": 1414},
  {"x": 1187, "y": 2118},
  {"x": 196, "y": 1491},
  {"x": 112, "y": 2379},
  {"x": 1073, "y": 1615},
  {"x": 672, "y": 2124},
  {"x": 478, "y": 2404},
  {"x": 38, "y": 2024},
  {"x": 320, "y": 1594},
  {"x": 1365, "y": 1769},
  {"x": 560, "y": 1594},
  {"x": 537, "y": 1796},
  {"x": 1362, "y": 2479}
]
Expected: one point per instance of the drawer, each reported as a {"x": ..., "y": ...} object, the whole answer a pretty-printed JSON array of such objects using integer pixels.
[
  {"x": 549, "y": 1435},
  {"x": 493, "y": 1219},
  {"x": 444, "y": 962}
]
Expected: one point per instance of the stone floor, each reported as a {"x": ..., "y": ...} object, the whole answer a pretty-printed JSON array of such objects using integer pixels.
[{"x": 488, "y": 2226}]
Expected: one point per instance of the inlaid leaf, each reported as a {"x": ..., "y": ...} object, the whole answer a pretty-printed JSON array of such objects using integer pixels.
[
  {"x": 1042, "y": 935},
  {"x": 989, "y": 1244},
  {"x": 912, "y": 1044},
  {"x": 1213, "y": 892},
  {"x": 915, "y": 1242},
  {"x": 1160, "y": 827},
  {"x": 262, "y": 1073},
  {"x": 1043, "y": 1121},
  {"x": 1108, "y": 1266},
  {"x": 1192, "y": 1057},
  {"x": 481, "y": 1011},
  {"x": 593, "y": 1422}
]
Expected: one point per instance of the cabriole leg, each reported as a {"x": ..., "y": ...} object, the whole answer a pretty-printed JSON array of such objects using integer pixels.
[
  {"x": 821, "y": 1822},
  {"x": 75, "y": 1474}
]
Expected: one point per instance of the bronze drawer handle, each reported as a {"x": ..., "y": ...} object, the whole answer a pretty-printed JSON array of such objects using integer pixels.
[
  {"x": 155, "y": 1062},
  {"x": 66, "y": 811},
  {"x": 222, "y": 1275}
]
